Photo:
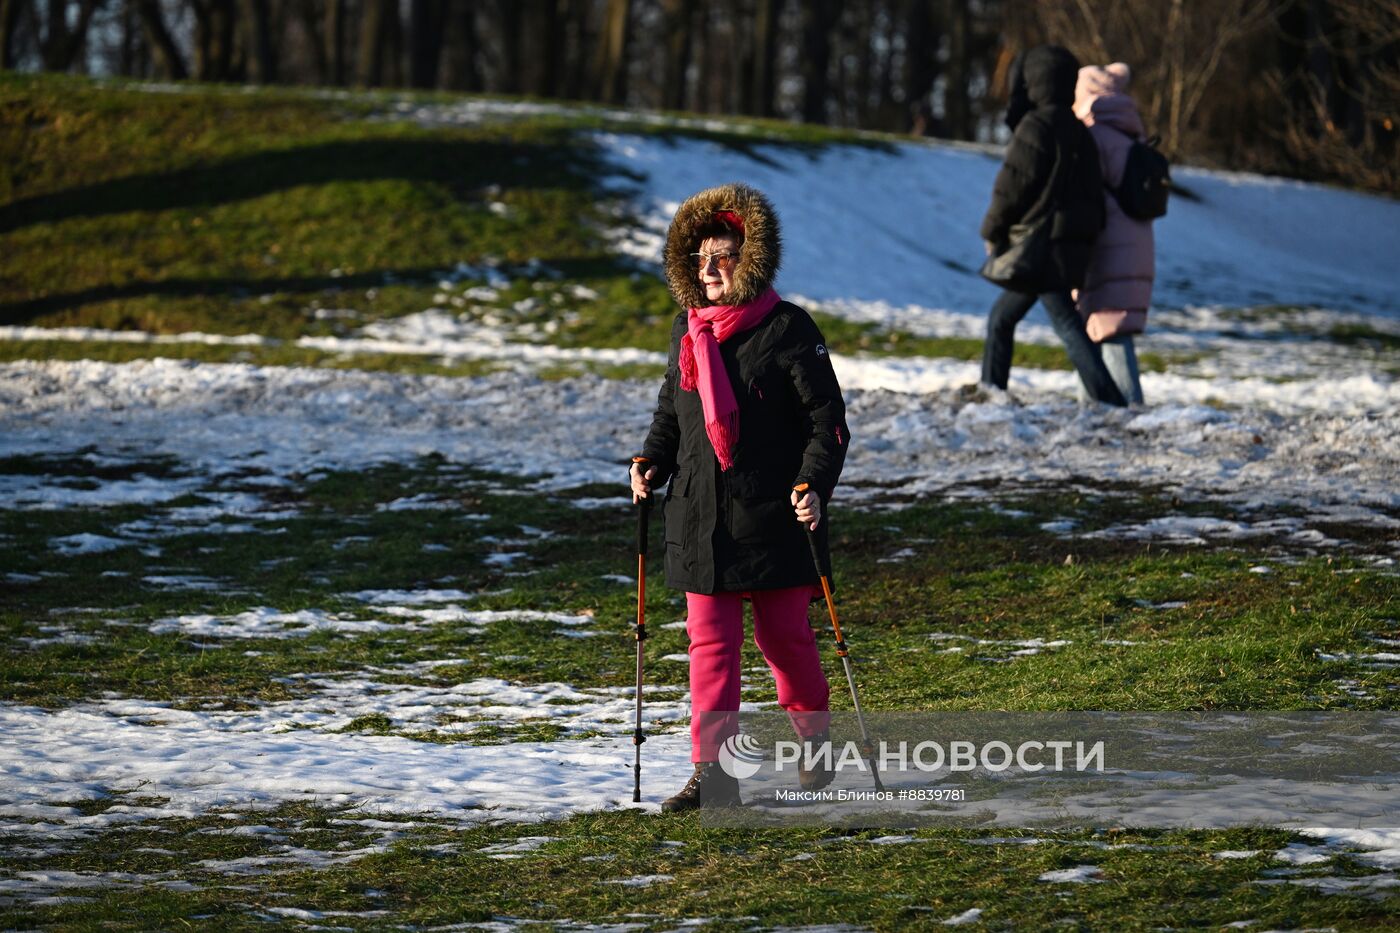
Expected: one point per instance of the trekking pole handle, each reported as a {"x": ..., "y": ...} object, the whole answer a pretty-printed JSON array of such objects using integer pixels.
[
  {"x": 801, "y": 488},
  {"x": 643, "y": 509}
]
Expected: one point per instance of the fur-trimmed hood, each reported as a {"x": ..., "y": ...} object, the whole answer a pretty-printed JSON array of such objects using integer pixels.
[{"x": 758, "y": 260}]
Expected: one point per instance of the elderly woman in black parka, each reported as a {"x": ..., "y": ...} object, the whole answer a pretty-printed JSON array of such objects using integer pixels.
[
  {"x": 1051, "y": 168},
  {"x": 749, "y": 409}
]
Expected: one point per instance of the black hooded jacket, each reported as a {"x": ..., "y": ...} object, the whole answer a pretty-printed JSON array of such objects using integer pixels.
[
  {"x": 735, "y": 530},
  {"x": 1018, "y": 102},
  {"x": 1030, "y": 184}
]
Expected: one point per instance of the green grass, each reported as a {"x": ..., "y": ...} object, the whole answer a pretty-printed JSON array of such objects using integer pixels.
[
  {"x": 434, "y": 874},
  {"x": 229, "y": 214}
]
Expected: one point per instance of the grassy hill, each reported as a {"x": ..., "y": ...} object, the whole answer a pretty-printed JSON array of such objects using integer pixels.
[{"x": 221, "y": 211}]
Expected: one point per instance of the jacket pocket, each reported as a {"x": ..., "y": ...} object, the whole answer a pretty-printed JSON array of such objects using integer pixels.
[
  {"x": 753, "y": 521},
  {"x": 673, "y": 509},
  {"x": 758, "y": 507}
]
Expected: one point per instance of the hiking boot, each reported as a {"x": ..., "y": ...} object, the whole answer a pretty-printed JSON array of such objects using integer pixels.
[
  {"x": 821, "y": 772},
  {"x": 972, "y": 392},
  {"x": 708, "y": 787}
]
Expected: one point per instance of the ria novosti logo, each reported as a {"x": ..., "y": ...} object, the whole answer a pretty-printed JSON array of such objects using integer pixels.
[{"x": 740, "y": 756}]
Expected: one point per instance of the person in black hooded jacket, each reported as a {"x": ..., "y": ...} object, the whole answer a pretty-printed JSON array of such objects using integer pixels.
[
  {"x": 749, "y": 410},
  {"x": 1051, "y": 169}
]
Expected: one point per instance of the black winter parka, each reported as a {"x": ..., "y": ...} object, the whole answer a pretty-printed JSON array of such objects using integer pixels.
[
  {"x": 1024, "y": 190},
  {"x": 735, "y": 530}
]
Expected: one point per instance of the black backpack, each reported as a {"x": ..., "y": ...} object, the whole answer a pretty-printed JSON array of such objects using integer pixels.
[{"x": 1146, "y": 180}]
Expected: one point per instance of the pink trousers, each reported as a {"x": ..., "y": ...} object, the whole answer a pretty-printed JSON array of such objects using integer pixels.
[{"x": 715, "y": 624}]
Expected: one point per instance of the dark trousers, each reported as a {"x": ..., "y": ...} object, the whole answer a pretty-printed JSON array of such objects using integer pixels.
[{"x": 1010, "y": 307}]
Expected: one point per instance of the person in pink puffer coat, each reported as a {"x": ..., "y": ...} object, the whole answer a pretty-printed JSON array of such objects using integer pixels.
[{"x": 1118, "y": 284}]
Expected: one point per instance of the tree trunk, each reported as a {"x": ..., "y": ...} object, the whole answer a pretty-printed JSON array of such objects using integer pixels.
[
  {"x": 9, "y": 24},
  {"x": 763, "y": 93},
  {"x": 819, "y": 17},
  {"x": 335, "y": 41},
  {"x": 509, "y": 65},
  {"x": 612, "y": 53},
  {"x": 549, "y": 34},
  {"x": 427, "y": 19},
  {"x": 126, "y": 51},
  {"x": 920, "y": 58},
  {"x": 312, "y": 17},
  {"x": 394, "y": 73},
  {"x": 463, "y": 69},
  {"x": 957, "y": 103},
  {"x": 710, "y": 85},
  {"x": 677, "y": 18},
  {"x": 863, "y": 43},
  {"x": 213, "y": 39},
  {"x": 371, "y": 57},
  {"x": 202, "y": 37},
  {"x": 224, "y": 51},
  {"x": 741, "y": 57},
  {"x": 169, "y": 61},
  {"x": 56, "y": 36},
  {"x": 62, "y": 45},
  {"x": 577, "y": 43},
  {"x": 887, "y": 107},
  {"x": 262, "y": 59}
]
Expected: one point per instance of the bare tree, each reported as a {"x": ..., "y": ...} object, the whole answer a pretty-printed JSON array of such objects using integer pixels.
[
  {"x": 59, "y": 44},
  {"x": 611, "y": 61},
  {"x": 819, "y": 17},
  {"x": 374, "y": 28},
  {"x": 333, "y": 37},
  {"x": 214, "y": 38},
  {"x": 9, "y": 22},
  {"x": 169, "y": 61},
  {"x": 463, "y": 69},
  {"x": 920, "y": 55},
  {"x": 427, "y": 19},
  {"x": 677, "y": 24},
  {"x": 507, "y": 45},
  {"x": 1341, "y": 96},
  {"x": 763, "y": 89},
  {"x": 743, "y": 54},
  {"x": 258, "y": 37},
  {"x": 311, "y": 18},
  {"x": 1176, "y": 46}
]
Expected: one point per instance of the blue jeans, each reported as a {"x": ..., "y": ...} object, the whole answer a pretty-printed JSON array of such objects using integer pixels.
[
  {"x": 1120, "y": 356},
  {"x": 1084, "y": 354}
]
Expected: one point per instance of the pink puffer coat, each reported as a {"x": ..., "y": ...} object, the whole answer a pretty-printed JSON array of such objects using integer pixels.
[{"x": 1118, "y": 284}]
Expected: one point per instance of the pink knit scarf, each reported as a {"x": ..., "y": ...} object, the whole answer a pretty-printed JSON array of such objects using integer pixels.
[{"x": 702, "y": 368}]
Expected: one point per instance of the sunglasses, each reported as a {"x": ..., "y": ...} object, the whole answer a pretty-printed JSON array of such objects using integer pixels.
[{"x": 725, "y": 260}]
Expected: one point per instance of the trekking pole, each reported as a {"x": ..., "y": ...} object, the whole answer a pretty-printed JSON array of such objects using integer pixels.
[
  {"x": 867, "y": 747},
  {"x": 643, "y": 510}
]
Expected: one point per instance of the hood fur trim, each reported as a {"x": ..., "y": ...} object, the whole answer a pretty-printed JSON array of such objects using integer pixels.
[{"x": 758, "y": 261}]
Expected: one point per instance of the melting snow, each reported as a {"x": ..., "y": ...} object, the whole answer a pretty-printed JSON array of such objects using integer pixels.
[{"x": 1076, "y": 875}]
